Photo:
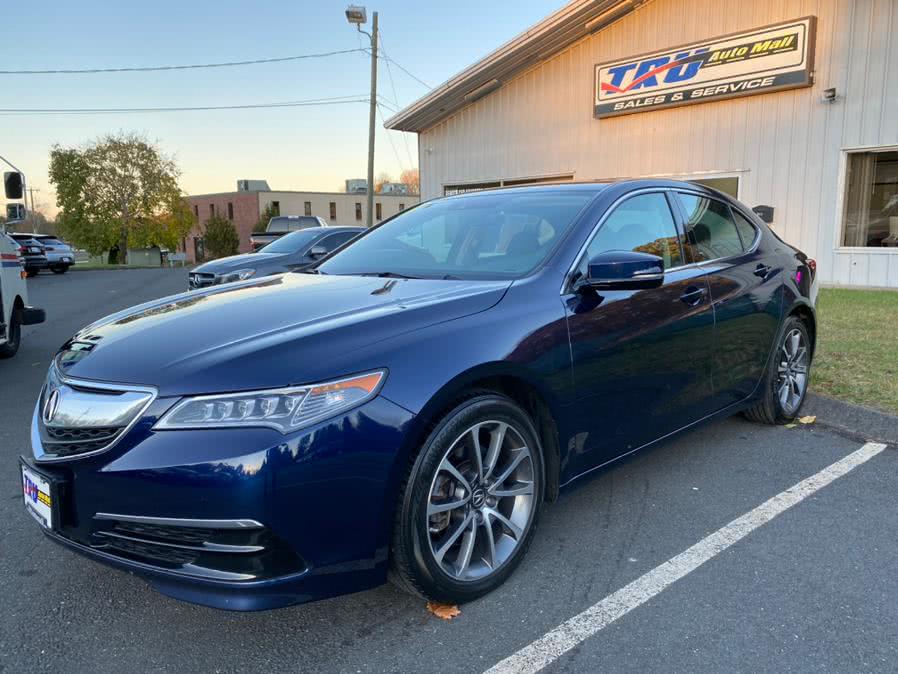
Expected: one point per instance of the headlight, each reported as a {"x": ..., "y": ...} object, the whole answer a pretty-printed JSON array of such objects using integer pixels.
[
  {"x": 239, "y": 275},
  {"x": 285, "y": 409}
]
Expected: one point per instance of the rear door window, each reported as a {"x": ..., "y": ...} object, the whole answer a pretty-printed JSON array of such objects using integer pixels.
[
  {"x": 747, "y": 231},
  {"x": 710, "y": 231}
]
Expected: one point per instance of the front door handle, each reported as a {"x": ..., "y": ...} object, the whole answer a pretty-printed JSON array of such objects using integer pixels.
[
  {"x": 694, "y": 295},
  {"x": 762, "y": 270}
]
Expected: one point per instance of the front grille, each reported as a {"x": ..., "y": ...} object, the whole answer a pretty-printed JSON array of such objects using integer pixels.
[
  {"x": 71, "y": 441},
  {"x": 76, "y": 417},
  {"x": 200, "y": 280}
]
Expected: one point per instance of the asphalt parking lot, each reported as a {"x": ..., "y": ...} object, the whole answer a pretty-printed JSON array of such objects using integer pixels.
[{"x": 810, "y": 589}]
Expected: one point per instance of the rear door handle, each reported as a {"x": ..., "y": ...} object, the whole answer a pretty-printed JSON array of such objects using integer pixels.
[
  {"x": 762, "y": 270},
  {"x": 694, "y": 295}
]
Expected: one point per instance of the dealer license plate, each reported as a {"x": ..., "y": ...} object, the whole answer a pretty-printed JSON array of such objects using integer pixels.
[{"x": 38, "y": 494}]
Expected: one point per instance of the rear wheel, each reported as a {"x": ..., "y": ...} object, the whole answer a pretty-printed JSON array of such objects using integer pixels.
[
  {"x": 786, "y": 380},
  {"x": 13, "y": 335},
  {"x": 470, "y": 502}
]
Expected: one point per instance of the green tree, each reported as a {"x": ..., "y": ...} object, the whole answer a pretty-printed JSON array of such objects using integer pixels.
[
  {"x": 120, "y": 190},
  {"x": 220, "y": 237},
  {"x": 270, "y": 211}
]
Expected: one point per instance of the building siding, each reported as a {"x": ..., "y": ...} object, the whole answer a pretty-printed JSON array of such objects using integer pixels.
[{"x": 787, "y": 147}]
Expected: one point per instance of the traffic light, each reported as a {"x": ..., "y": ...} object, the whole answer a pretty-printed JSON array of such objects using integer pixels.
[
  {"x": 14, "y": 182},
  {"x": 15, "y": 211}
]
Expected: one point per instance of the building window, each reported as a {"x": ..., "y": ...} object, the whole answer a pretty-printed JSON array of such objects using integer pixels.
[
  {"x": 230, "y": 211},
  {"x": 358, "y": 211},
  {"x": 196, "y": 211},
  {"x": 378, "y": 211},
  {"x": 871, "y": 200},
  {"x": 307, "y": 207},
  {"x": 211, "y": 210},
  {"x": 276, "y": 207},
  {"x": 401, "y": 207},
  {"x": 333, "y": 210}
]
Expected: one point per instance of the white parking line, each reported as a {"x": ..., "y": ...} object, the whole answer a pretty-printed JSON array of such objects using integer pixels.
[{"x": 568, "y": 634}]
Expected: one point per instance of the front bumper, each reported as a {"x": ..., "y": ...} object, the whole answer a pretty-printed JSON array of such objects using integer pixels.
[
  {"x": 318, "y": 506},
  {"x": 33, "y": 316}
]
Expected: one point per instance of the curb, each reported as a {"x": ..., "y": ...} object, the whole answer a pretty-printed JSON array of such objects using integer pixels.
[{"x": 857, "y": 421}]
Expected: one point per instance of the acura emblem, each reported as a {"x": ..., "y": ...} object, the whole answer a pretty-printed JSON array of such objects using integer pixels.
[{"x": 50, "y": 406}]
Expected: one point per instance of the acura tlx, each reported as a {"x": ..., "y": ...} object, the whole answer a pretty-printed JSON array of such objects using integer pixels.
[{"x": 405, "y": 407}]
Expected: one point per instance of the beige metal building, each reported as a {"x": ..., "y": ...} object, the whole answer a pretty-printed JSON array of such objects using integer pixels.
[{"x": 787, "y": 103}]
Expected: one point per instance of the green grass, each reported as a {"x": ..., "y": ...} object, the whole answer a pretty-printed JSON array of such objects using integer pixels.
[{"x": 857, "y": 347}]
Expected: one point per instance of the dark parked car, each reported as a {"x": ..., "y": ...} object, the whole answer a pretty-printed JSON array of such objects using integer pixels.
[
  {"x": 410, "y": 403},
  {"x": 33, "y": 256},
  {"x": 291, "y": 252}
]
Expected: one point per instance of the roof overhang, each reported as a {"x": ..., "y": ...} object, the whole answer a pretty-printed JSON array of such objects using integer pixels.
[{"x": 572, "y": 22}]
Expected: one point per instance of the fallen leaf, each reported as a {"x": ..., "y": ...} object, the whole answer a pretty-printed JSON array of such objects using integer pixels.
[
  {"x": 807, "y": 420},
  {"x": 443, "y": 611},
  {"x": 790, "y": 425}
]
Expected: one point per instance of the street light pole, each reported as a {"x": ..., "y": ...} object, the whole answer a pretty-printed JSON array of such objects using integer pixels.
[
  {"x": 358, "y": 16},
  {"x": 372, "y": 110}
]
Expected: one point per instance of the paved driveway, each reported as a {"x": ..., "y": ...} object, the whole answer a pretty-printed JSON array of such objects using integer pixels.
[{"x": 812, "y": 587}]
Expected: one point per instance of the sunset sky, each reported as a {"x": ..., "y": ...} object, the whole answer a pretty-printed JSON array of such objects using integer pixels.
[{"x": 292, "y": 148}]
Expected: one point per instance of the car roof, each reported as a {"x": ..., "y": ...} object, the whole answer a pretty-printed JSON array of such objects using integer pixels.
[
  {"x": 595, "y": 187},
  {"x": 332, "y": 230}
]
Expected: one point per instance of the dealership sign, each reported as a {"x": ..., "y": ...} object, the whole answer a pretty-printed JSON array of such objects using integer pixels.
[{"x": 767, "y": 59}]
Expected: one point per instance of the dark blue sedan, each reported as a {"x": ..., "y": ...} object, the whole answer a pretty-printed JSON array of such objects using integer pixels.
[{"x": 405, "y": 408}]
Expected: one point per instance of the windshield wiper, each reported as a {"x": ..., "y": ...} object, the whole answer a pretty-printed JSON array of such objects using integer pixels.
[{"x": 388, "y": 274}]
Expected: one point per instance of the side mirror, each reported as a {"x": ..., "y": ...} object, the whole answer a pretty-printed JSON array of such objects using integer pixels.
[
  {"x": 317, "y": 251},
  {"x": 625, "y": 270},
  {"x": 14, "y": 184}
]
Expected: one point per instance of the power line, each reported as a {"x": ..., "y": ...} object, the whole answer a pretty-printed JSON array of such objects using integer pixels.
[
  {"x": 390, "y": 138},
  {"x": 408, "y": 152},
  {"x": 387, "y": 58},
  {"x": 141, "y": 69},
  {"x": 247, "y": 106}
]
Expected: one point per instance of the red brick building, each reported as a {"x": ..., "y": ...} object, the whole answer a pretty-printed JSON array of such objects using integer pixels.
[{"x": 241, "y": 208}]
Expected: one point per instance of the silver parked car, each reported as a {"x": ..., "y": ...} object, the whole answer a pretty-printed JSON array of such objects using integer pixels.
[{"x": 60, "y": 255}]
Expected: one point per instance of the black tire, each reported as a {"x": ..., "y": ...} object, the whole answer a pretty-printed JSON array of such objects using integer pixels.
[
  {"x": 769, "y": 409},
  {"x": 414, "y": 568},
  {"x": 30, "y": 273},
  {"x": 59, "y": 270},
  {"x": 13, "y": 335}
]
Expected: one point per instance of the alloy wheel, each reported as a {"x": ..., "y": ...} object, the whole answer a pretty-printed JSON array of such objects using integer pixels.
[
  {"x": 480, "y": 502},
  {"x": 792, "y": 372}
]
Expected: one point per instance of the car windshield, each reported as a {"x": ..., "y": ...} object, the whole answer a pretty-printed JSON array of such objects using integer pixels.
[
  {"x": 484, "y": 235},
  {"x": 291, "y": 243}
]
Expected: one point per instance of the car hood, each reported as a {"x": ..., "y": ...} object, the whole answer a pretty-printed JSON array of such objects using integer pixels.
[
  {"x": 235, "y": 262},
  {"x": 266, "y": 333}
]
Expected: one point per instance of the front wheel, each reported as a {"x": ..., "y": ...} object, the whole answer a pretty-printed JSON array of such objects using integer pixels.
[
  {"x": 62, "y": 269},
  {"x": 31, "y": 273},
  {"x": 786, "y": 380},
  {"x": 470, "y": 503}
]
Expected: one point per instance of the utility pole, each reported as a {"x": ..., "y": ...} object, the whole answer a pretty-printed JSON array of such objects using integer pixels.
[
  {"x": 358, "y": 16},
  {"x": 371, "y": 121},
  {"x": 31, "y": 191}
]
